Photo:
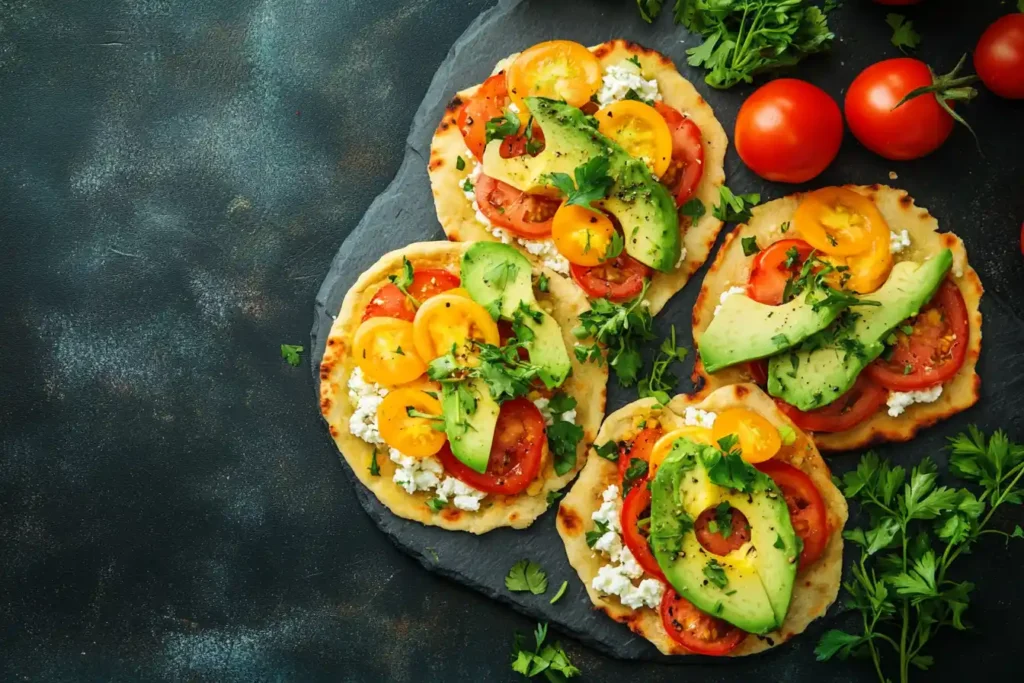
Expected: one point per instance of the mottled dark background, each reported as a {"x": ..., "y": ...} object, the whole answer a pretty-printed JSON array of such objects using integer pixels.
[{"x": 175, "y": 178}]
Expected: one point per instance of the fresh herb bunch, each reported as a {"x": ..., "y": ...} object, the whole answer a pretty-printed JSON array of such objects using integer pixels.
[
  {"x": 619, "y": 328},
  {"x": 661, "y": 381},
  {"x": 591, "y": 184},
  {"x": 549, "y": 661},
  {"x": 743, "y": 38},
  {"x": 916, "y": 530}
]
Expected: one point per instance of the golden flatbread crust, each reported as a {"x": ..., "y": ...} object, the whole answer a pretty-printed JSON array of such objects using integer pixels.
[
  {"x": 732, "y": 268},
  {"x": 815, "y": 588},
  {"x": 455, "y": 212},
  {"x": 587, "y": 385}
]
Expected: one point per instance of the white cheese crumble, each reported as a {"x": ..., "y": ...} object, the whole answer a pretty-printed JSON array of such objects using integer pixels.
[
  {"x": 682, "y": 257},
  {"x": 898, "y": 241},
  {"x": 549, "y": 419},
  {"x": 725, "y": 295},
  {"x": 412, "y": 474},
  {"x": 620, "y": 78},
  {"x": 616, "y": 578},
  {"x": 695, "y": 417},
  {"x": 899, "y": 401},
  {"x": 545, "y": 249}
]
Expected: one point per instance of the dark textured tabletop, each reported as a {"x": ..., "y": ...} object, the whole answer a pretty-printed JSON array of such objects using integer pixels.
[{"x": 175, "y": 179}]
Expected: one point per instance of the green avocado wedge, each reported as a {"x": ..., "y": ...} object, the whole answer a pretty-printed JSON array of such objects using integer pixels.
[
  {"x": 826, "y": 366},
  {"x": 750, "y": 587}
]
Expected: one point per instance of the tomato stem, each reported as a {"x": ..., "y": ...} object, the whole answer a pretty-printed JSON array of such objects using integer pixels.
[{"x": 949, "y": 88}]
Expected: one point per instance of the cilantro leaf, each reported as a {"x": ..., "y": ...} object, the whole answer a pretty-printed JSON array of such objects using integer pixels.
[
  {"x": 563, "y": 438},
  {"x": 592, "y": 182},
  {"x": 836, "y": 642},
  {"x": 733, "y": 208},
  {"x": 715, "y": 573},
  {"x": 730, "y": 471},
  {"x": 609, "y": 450},
  {"x": 599, "y": 530},
  {"x": 694, "y": 209},
  {"x": 661, "y": 381},
  {"x": 502, "y": 126},
  {"x": 292, "y": 354},
  {"x": 437, "y": 504},
  {"x": 616, "y": 330},
  {"x": 723, "y": 518},
  {"x": 750, "y": 246},
  {"x": 526, "y": 576},
  {"x": 554, "y": 497},
  {"x": 903, "y": 33},
  {"x": 403, "y": 281},
  {"x": 636, "y": 471}
]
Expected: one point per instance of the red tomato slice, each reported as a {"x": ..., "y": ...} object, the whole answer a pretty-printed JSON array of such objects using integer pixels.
[
  {"x": 389, "y": 302},
  {"x": 431, "y": 282},
  {"x": 846, "y": 412},
  {"x": 515, "y": 452},
  {"x": 769, "y": 273},
  {"x": 487, "y": 102},
  {"x": 639, "y": 448},
  {"x": 806, "y": 507},
  {"x": 620, "y": 279},
  {"x": 713, "y": 541},
  {"x": 687, "y": 167},
  {"x": 697, "y": 631},
  {"x": 759, "y": 371},
  {"x": 527, "y": 215},
  {"x": 934, "y": 351},
  {"x": 637, "y": 506},
  {"x": 516, "y": 145}
]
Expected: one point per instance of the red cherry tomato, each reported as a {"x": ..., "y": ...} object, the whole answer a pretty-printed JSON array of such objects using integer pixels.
[
  {"x": 638, "y": 449},
  {"x": 999, "y": 57},
  {"x": 846, "y": 412},
  {"x": 390, "y": 302},
  {"x": 637, "y": 506},
  {"x": 910, "y": 131},
  {"x": 788, "y": 131},
  {"x": 620, "y": 279},
  {"x": 487, "y": 102},
  {"x": 687, "y": 166},
  {"x": 515, "y": 452},
  {"x": 526, "y": 215},
  {"x": 806, "y": 507},
  {"x": 714, "y": 541},
  {"x": 770, "y": 273},
  {"x": 697, "y": 631},
  {"x": 934, "y": 351},
  {"x": 759, "y": 371}
]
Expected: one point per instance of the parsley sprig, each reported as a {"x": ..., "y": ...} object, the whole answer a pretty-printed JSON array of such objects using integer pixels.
[
  {"x": 916, "y": 530},
  {"x": 734, "y": 208},
  {"x": 661, "y": 381},
  {"x": 526, "y": 576},
  {"x": 592, "y": 182},
  {"x": 619, "y": 329},
  {"x": 551, "y": 661},
  {"x": 563, "y": 435},
  {"x": 403, "y": 281},
  {"x": 292, "y": 354}
]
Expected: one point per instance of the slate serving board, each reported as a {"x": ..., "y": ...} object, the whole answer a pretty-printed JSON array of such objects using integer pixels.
[{"x": 976, "y": 196}]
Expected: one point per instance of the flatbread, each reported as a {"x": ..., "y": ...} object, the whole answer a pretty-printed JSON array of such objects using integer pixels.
[
  {"x": 587, "y": 384},
  {"x": 732, "y": 268},
  {"x": 815, "y": 588},
  {"x": 456, "y": 214}
]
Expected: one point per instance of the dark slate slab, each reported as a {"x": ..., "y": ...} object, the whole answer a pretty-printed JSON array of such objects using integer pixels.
[{"x": 971, "y": 202}]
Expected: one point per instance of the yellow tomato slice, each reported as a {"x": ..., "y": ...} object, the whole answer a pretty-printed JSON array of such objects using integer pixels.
[
  {"x": 759, "y": 439},
  {"x": 385, "y": 351},
  {"x": 663, "y": 446},
  {"x": 559, "y": 69},
  {"x": 864, "y": 272},
  {"x": 448, "y": 320},
  {"x": 640, "y": 130},
  {"x": 581, "y": 235},
  {"x": 840, "y": 222},
  {"x": 411, "y": 434}
]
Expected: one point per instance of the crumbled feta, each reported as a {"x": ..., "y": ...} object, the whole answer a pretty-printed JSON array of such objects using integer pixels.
[
  {"x": 898, "y": 241},
  {"x": 462, "y": 495},
  {"x": 545, "y": 249},
  {"x": 610, "y": 544},
  {"x": 542, "y": 406},
  {"x": 682, "y": 257},
  {"x": 899, "y": 401},
  {"x": 725, "y": 295},
  {"x": 620, "y": 78},
  {"x": 608, "y": 513},
  {"x": 630, "y": 567},
  {"x": 695, "y": 417},
  {"x": 616, "y": 577},
  {"x": 416, "y": 474},
  {"x": 513, "y": 107},
  {"x": 365, "y": 397}
]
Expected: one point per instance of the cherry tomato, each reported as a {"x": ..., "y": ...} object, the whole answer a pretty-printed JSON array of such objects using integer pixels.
[
  {"x": 526, "y": 215},
  {"x": 664, "y": 445},
  {"x": 518, "y": 145},
  {"x": 788, "y": 131},
  {"x": 389, "y": 302},
  {"x": 414, "y": 436},
  {"x": 637, "y": 506},
  {"x": 910, "y": 131},
  {"x": 516, "y": 451},
  {"x": 806, "y": 508},
  {"x": 770, "y": 273},
  {"x": 582, "y": 235},
  {"x": 619, "y": 279},
  {"x": 448, "y": 320},
  {"x": 935, "y": 349},
  {"x": 687, "y": 166},
  {"x": 486, "y": 103},
  {"x": 428, "y": 282},
  {"x": 697, "y": 631},
  {"x": 846, "y": 412},
  {"x": 640, "y": 130},
  {"x": 385, "y": 351},
  {"x": 999, "y": 57},
  {"x": 759, "y": 371},
  {"x": 557, "y": 69},
  {"x": 638, "y": 449},
  {"x": 759, "y": 439},
  {"x": 714, "y": 541}
]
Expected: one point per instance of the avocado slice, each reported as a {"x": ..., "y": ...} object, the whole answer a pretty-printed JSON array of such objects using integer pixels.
[
  {"x": 643, "y": 206},
  {"x": 499, "y": 278},
  {"x": 827, "y": 365},
  {"x": 747, "y": 330},
  {"x": 759, "y": 575},
  {"x": 470, "y": 416}
]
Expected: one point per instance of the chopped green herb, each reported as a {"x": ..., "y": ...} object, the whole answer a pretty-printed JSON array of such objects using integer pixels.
[
  {"x": 734, "y": 208},
  {"x": 558, "y": 595},
  {"x": 551, "y": 661},
  {"x": 460, "y": 163},
  {"x": 374, "y": 466},
  {"x": 526, "y": 576},
  {"x": 437, "y": 504},
  {"x": 723, "y": 518},
  {"x": 715, "y": 573},
  {"x": 554, "y": 497},
  {"x": 592, "y": 182},
  {"x": 542, "y": 282},
  {"x": 694, "y": 209},
  {"x": 617, "y": 330},
  {"x": 637, "y": 470},
  {"x": 599, "y": 530},
  {"x": 661, "y": 381},
  {"x": 503, "y": 126},
  {"x": 609, "y": 450},
  {"x": 903, "y": 34},
  {"x": 750, "y": 246},
  {"x": 291, "y": 354}
]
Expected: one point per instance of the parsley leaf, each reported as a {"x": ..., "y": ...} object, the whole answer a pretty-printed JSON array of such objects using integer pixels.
[
  {"x": 554, "y": 497},
  {"x": 637, "y": 470},
  {"x": 615, "y": 246},
  {"x": 660, "y": 381},
  {"x": 723, "y": 518},
  {"x": 291, "y": 354},
  {"x": 542, "y": 282},
  {"x": 526, "y": 576},
  {"x": 592, "y": 182},
  {"x": 617, "y": 331},
  {"x": 903, "y": 33},
  {"x": 599, "y": 530},
  {"x": 733, "y": 208},
  {"x": 558, "y": 595},
  {"x": 437, "y": 504},
  {"x": 403, "y": 281},
  {"x": 693, "y": 209},
  {"x": 750, "y": 246},
  {"x": 503, "y": 126},
  {"x": 374, "y": 466},
  {"x": 715, "y": 573},
  {"x": 609, "y": 450},
  {"x": 562, "y": 440},
  {"x": 546, "y": 659},
  {"x": 650, "y": 9}
]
